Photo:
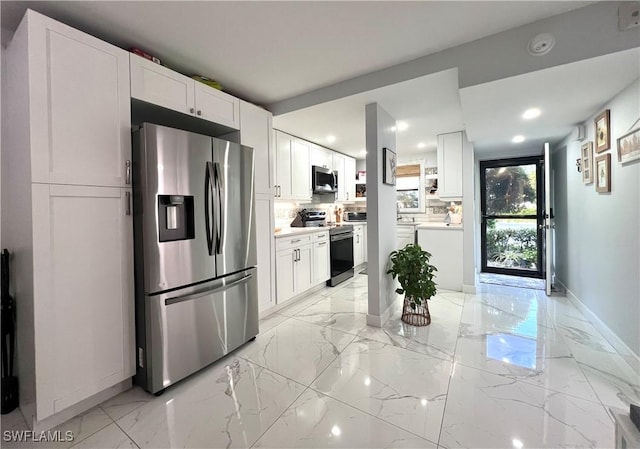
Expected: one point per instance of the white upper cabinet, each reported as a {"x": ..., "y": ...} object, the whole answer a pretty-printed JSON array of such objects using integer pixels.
[
  {"x": 300, "y": 171},
  {"x": 217, "y": 106},
  {"x": 255, "y": 132},
  {"x": 338, "y": 165},
  {"x": 79, "y": 103},
  {"x": 284, "y": 143},
  {"x": 161, "y": 86},
  {"x": 350, "y": 178},
  {"x": 321, "y": 157},
  {"x": 450, "y": 165},
  {"x": 293, "y": 170}
]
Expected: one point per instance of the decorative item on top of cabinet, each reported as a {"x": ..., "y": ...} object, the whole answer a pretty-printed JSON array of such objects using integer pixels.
[{"x": 410, "y": 265}]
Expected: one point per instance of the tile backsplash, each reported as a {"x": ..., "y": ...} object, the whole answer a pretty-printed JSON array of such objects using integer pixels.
[{"x": 436, "y": 210}]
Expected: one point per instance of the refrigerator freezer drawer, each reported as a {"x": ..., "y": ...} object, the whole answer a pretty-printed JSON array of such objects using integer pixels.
[{"x": 191, "y": 328}]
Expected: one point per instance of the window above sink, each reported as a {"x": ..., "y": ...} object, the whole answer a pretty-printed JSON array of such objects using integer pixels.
[{"x": 410, "y": 187}]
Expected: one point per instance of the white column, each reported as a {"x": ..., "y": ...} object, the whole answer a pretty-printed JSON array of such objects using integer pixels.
[
  {"x": 381, "y": 215},
  {"x": 468, "y": 216}
]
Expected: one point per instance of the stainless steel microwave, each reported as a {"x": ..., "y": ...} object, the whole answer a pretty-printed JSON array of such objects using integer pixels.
[{"x": 324, "y": 180}]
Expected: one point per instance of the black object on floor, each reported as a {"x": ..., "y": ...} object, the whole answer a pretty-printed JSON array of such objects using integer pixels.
[
  {"x": 8, "y": 317},
  {"x": 634, "y": 414}
]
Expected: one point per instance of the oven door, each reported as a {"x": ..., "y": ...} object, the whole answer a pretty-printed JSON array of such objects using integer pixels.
[{"x": 341, "y": 253}]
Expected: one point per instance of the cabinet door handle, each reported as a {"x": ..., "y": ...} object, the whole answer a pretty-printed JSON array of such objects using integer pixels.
[
  {"x": 127, "y": 172},
  {"x": 322, "y": 243},
  {"x": 299, "y": 256},
  {"x": 199, "y": 112},
  {"x": 347, "y": 195},
  {"x": 192, "y": 110},
  {"x": 295, "y": 241},
  {"x": 127, "y": 206}
]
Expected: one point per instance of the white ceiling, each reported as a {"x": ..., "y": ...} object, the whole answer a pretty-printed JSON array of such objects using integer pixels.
[
  {"x": 566, "y": 95},
  {"x": 268, "y": 51},
  {"x": 429, "y": 105},
  {"x": 490, "y": 113}
]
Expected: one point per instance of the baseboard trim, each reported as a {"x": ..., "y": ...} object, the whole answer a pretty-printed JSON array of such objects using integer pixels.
[
  {"x": 631, "y": 357},
  {"x": 471, "y": 289},
  {"x": 379, "y": 321},
  {"x": 77, "y": 409},
  {"x": 271, "y": 310}
]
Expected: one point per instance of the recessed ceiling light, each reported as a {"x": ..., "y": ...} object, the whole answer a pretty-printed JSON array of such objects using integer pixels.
[
  {"x": 422, "y": 145},
  {"x": 331, "y": 138},
  {"x": 531, "y": 113},
  {"x": 518, "y": 139},
  {"x": 401, "y": 125}
]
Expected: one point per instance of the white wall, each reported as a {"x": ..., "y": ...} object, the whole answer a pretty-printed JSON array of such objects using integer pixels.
[
  {"x": 381, "y": 215},
  {"x": 598, "y": 235},
  {"x": 468, "y": 214}
]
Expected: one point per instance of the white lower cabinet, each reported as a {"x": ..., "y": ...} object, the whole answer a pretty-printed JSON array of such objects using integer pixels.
[
  {"x": 359, "y": 245},
  {"x": 321, "y": 260},
  {"x": 83, "y": 282},
  {"x": 445, "y": 246},
  {"x": 302, "y": 262},
  {"x": 293, "y": 266},
  {"x": 405, "y": 236}
]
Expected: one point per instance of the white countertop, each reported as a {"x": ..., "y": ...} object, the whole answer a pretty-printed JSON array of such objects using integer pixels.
[
  {"x": 285, "y": 232},
  {"x": 439, "y": 226}
]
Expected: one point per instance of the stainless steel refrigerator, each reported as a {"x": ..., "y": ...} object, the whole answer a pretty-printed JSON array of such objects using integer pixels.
[{"x": 195, "y": 252}]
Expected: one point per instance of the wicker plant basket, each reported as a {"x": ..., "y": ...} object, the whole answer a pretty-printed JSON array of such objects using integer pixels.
[{"x": 419, "y": 316}]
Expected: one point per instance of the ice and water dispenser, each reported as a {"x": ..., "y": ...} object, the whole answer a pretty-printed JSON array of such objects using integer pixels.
[{"x": 175, "y": 217}]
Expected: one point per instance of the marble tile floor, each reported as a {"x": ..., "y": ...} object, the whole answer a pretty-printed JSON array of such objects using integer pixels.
[{"x": 504, "y": 368}]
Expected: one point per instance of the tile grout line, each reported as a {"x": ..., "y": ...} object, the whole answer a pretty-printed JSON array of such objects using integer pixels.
[{"x": 453, "y": 365}]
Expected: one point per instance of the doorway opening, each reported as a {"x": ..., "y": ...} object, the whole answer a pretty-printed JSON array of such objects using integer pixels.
[{"x": 512, "y": 207}]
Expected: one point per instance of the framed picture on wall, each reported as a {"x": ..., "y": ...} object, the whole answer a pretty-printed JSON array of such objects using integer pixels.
[
  {"x": 389, "y": 167},
  {"x": 629, "y": 146},
  {"x": 603, "y": 132},
  {"x": 587, "y": 162},
  {"x": 603, "y": 173}
]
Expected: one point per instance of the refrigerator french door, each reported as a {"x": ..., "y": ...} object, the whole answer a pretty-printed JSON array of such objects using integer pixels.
[{"x": 195, "y": 252}]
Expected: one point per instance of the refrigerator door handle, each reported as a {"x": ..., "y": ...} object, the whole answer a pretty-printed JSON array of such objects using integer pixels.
[
  {"x": 208, "y": 196},
  {"x": 200, "y": 294},
  {"x": 220, "y": 215}
]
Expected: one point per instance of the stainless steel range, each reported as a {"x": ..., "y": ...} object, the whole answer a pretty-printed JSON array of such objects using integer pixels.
[
  {"x": 195, "y": 252},
  {"x": 341, "y": 250}
]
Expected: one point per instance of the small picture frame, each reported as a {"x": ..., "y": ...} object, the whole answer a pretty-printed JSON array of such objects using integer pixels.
[
  {"x": 389, "y": 167},
  {"x": 603, "y": 131},
  {"x": 603, "y": 173},
  {"x": 629, "y": 146},
  {"x": 587, "y": 162}
]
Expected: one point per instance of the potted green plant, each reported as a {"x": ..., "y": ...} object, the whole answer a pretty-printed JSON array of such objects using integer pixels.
[{"x": 410, "y": 265}]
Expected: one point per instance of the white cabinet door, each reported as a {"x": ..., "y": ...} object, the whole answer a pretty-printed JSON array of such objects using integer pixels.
[
  {"x": 321, "y": 157},
  {"x": 304, "y": 269},
  {"x": 83, "y": 279},
  {"x": 284, "y": 143},
  {"x": 350, "y": 178},
  {"x": 338, "y": 165},
  {"x": 321, "y": 262},
  {"x": 265, "y": 246},
  {"x": 450, "y": 165},
  {"x": 364, "y": 244},
  {"x": 358, "y": 252},
  {"x": 80, "y": 106},
  {"x": 255, "y": 132},
  {"x": 300, "y": 171},
  {"x": 217, "y": 106},
  {"x": 285, "y": 275},
  {"x": 159, "y": 85}
]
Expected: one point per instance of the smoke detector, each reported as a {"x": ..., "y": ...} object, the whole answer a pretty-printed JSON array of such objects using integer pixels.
[{"x": 541, "y": 44}]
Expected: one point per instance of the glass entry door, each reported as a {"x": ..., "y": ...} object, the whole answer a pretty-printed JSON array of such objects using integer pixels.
[{"x": 512, "y": 216}]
